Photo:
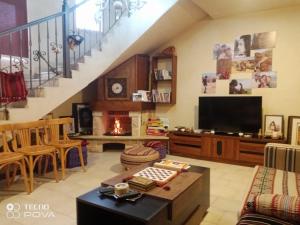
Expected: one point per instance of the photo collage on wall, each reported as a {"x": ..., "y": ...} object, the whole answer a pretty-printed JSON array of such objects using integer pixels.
[{"x": 247, "y": 64}]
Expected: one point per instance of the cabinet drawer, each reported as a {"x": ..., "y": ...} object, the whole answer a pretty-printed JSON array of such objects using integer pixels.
[
  {"x": 186, "y": 140},
  {"x": 189, "y": 149},
  {"x": 252, "y": 148},
  {"x": 252, "y": 153}
]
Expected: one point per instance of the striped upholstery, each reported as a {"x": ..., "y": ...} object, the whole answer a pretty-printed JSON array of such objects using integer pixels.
[
  {"x": 281, "y": 206},
  {"x": 282, "y": 156},
  {"x": 258, "y": 219}
]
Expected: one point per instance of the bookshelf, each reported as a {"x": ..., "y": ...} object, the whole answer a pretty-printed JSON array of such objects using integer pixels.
[{"x": 164, "y": 76}]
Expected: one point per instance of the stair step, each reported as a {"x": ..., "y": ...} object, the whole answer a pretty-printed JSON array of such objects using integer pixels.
[{"x": 36, "y": 92}]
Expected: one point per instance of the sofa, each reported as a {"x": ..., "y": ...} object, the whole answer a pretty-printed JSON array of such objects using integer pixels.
[{"x": 273, "y": 193}]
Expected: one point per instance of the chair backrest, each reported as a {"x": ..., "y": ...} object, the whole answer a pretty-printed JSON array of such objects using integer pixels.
[
  {"x": 282, "y": 157},
  {"x": 6, "y": 136},
  {"x": 53, "y": 126},
  {"x": 25, "y": 133}
]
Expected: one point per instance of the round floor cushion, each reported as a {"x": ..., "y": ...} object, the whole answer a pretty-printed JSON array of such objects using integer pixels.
[{"x": 137, "y": 155}]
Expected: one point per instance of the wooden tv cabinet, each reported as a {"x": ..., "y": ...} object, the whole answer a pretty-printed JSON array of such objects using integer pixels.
[{"x": 222, "y": 148}]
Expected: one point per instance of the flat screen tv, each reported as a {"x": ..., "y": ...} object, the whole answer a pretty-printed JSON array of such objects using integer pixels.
[{"x": 230, "y": 114}]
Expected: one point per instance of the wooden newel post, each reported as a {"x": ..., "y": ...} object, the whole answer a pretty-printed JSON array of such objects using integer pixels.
[{"x": 66, "y": 49}]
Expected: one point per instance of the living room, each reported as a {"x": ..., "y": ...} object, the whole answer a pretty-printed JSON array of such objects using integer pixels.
[{"x": 188, "y": 32}]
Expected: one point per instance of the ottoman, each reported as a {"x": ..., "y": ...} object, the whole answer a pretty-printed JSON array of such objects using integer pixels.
[{"x": 137, "y": 155}]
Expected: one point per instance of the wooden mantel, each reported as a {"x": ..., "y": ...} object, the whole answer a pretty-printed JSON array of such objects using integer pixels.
[
  {"x": 135, "y": 72},
  {"x": 123, "y": 106}
]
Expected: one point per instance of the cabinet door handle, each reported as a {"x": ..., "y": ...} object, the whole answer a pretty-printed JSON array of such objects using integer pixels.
[{"x": 219, "y": 148}]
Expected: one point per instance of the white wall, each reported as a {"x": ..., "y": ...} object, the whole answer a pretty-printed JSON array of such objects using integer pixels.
[
  {"x": 37, "y": 9},
  {"x": 194, "y": 51}
]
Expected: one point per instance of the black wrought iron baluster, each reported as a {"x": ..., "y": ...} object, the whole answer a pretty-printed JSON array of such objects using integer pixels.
[
  {"x": 39, "y": 60},
  {"x": 109, "y": 8},
  {"x": 48, "y": 50},
  {"x": 79, "y": 47},
  {"x": 10, "y": 51},
  {"x": 56, "y": 44},
  {"x": 84, "y": 44},
  {"x": 73, "y": 21},
  {"x": 66, "y": 50},
  {"x": 30, "y": 57}
]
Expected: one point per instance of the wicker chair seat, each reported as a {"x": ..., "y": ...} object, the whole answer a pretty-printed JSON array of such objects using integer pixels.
[
  {"x": 36, "y": 150},
  {"x": 6, "y": 157}
]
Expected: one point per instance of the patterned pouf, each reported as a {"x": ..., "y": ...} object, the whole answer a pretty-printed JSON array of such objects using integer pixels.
[
  {"x": 137, "y": 155},
  {"x": 158, "y": 146}
]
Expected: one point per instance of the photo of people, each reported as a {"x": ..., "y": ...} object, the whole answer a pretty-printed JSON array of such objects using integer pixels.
[
  {"x": 264, "y": 40},
  {"x": 224, "y": 69},
  {"x": 243, "y": 65},
  {"x": 242, "y": 46},
  {"x": 262, "y": 60},
  {"x": 209, "y": 83},
  {"x": 222, "y": 51},
  {"x": 273, "y": 124},
  {"x": 264, "y": 80},
  {"x": 240, "y": 86}
]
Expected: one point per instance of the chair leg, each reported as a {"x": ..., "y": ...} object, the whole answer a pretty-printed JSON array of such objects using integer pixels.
[
  {"x": 40, "y": 166},
  {"x": 7, "y": 175},
  {"x": 24, "y": 174},
  {"x": 62, "y": 161},
  {"x": 81, "y": 157},
  {"x": 46, "y": 164},
  {"x": 31, "y": 172},
  {"x": 14, "y": 174},
  {"x": 54, "y": 166}
]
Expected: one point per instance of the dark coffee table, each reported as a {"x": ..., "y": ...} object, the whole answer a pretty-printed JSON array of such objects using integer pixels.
[{"x": 184, "y": 204}]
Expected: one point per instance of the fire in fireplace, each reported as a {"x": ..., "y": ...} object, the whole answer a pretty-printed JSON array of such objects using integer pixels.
[{"x": 118, "y": 124}]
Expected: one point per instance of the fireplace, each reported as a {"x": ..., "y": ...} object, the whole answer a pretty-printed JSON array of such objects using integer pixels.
[{"x": 118, "y": 124}]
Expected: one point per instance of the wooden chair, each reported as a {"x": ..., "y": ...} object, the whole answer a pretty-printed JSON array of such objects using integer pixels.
[
  {"x": 63, "y": 143},
  {"x": 24, "y": 134},
  {"x": 7, "y": 157}
]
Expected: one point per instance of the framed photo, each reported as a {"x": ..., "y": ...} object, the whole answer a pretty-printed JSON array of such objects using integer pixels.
[
  {"x": 83, "y": 118},
  {"x": 293, "y": 135},
  {"x": 273, "y": 123}
]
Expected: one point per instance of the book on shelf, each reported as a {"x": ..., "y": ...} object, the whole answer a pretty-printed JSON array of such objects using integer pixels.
[
  {"x": 162, "y": 74},
  {"x": 162, "y": 96}
]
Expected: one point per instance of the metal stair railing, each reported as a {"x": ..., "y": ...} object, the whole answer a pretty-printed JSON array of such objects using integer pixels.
[{"x": 51, "y": 44}]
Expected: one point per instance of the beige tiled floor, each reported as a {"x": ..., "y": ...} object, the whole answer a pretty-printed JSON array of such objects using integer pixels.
[{"x": 228, "y": 185}]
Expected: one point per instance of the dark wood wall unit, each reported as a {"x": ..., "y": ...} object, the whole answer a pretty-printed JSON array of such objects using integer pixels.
[
  {"x": 221, "y": 148},
  {"x": 133, "y": 75},
  {"x": 172, "y": 83}
]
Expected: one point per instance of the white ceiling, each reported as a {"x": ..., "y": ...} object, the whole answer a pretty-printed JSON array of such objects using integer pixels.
[
  {"x": 187, "y": 12},
  {"x": 179, "y": 18},
  {"x": 222, "y": 8}
]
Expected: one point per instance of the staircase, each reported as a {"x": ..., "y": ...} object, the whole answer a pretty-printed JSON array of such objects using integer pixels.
[{"x": 53, "y": 73}]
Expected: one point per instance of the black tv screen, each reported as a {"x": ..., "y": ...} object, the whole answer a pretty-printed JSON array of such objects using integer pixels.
[{"x": 230, "y": 114}]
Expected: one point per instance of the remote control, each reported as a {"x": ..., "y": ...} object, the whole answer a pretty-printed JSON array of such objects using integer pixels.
[
  {"x": 130, "y": 194},
  {"x": 106, "y": 190}
]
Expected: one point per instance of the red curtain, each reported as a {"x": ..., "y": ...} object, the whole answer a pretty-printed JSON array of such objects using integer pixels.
[
  {"x": 13, "y": 87},
  {"x": 13, "y": 13}
]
